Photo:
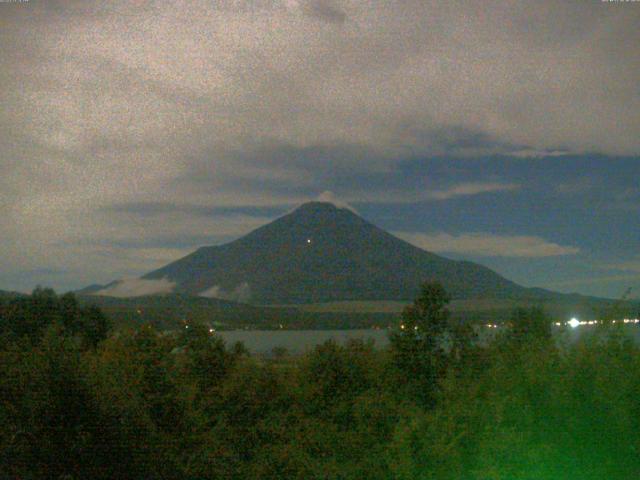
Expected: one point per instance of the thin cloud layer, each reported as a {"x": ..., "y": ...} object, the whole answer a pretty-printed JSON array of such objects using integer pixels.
[
  {"x": 241, "y": 293},
  {"x": 137, "y": 287},
  {"x": 329, "y": 197},
  {"x": 465, "y": 189},
  {"x": 631, "y": 265},
  {"x": 487, "y": 245}
]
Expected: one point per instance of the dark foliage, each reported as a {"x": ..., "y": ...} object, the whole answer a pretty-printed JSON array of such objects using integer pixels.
[
  {"x": 28, "y": 318},
  {"x": 420, "y": 346},
  {"x": 527, "y": 325},
  {"x": 437, "y": 404}
]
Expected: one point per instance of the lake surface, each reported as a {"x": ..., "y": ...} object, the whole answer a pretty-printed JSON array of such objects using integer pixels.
[{"x": 301, "y": 341}]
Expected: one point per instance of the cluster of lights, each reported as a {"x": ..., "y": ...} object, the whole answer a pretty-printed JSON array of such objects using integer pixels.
[
  {"x": 402, "y": 327},
  {"x": 211, "y": 330},
  {"x": 630, "y": 320},
  {"x": 574, "y": 322}
]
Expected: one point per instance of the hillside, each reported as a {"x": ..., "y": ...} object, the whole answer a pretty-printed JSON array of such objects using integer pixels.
[{"x": 175, "y": 310}]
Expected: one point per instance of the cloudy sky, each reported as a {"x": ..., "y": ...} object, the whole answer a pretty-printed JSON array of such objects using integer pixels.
[{"x": 505, "y": 132}]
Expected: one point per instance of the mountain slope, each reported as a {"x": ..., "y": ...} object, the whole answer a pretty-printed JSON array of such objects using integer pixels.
[{"x": 321, "y": 253}]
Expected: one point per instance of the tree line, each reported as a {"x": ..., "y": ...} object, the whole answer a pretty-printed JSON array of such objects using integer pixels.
[{"x": 78, "y": 400}]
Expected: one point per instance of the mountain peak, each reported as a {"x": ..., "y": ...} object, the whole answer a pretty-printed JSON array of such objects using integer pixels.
[
  {"x": 316, "y": 217},
  {"x": 330, "y": 198},
  {"x": 320, "y": 252},
  {"x": 318, "y": 207}
]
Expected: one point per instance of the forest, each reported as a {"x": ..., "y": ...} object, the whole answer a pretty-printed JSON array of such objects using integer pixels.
[{"x": 81, "y": 400}]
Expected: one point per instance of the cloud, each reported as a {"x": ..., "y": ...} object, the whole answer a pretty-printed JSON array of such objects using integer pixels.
[
  {"x": 465, "y": 189},
  {"x": 136, "y": 287},
  {"x": 329, "y": 197},
  {"x": 98, "y": 245},
  {"x": 598, "y": 280},
  {"x": 630, "y": 265},
  {"x": 193, "y": 103},
  {"x": 241, "y": 293},
  {"x": 326, "y": 10},
  {"x": 532, "y": 153},
  {"x": 488, "y": 245}
]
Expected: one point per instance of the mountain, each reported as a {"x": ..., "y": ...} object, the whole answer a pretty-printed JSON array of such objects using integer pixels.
[
  {"x": 323, "y": 253},
  {"x": 93, "y": 288}
]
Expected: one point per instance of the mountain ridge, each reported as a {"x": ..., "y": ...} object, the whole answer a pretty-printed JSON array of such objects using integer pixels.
[{"x": 320, "y": 252}]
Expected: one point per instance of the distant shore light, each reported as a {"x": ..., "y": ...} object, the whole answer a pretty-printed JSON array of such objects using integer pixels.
[{"x": 574, "y": 322}]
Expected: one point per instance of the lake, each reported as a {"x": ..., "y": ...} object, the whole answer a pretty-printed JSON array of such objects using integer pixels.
[{"x": 301, "y": 341}]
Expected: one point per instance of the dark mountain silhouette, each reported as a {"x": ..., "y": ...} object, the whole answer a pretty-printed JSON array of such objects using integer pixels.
[
  {"x": 94, "y": 288},
  {"x": 320, "y": 253}
]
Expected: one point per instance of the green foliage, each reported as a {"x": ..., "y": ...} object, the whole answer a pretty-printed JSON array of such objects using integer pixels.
[
  {"x": 338, "y": 373},
  {"x": 535, "y": 412},
  {"x": 419, "y": 345},
  {"x": 28, "y": 317},
  {"x": 141, "y": 404},
  {"x": 527, "y": 325},
  {"x": 204, "y": 356}
]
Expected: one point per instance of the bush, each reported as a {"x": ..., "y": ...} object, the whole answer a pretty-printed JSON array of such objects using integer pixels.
[{"x": 142, "y": 404}]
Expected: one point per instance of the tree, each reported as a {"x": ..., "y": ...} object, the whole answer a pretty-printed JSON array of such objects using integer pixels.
[
  {"x": 94, "y": 326},
  {"x": 205, "y": 357},
  {"x": 29, "y": 317},
  {"x": 338, "y": 373},
  {"x": 419, "y": 345},
  {"x": 529, "y": 324}
]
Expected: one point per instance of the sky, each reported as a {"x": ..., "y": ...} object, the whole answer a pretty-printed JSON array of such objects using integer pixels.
[{"x": 503, "y": 132}]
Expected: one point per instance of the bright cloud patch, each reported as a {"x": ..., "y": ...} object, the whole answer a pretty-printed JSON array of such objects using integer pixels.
[
  {"x": 488, "y": 245},
  {"x": 631, "y": 265},
  {"x": 242, "y": 293},
  {"x": 329, "y": 197},
  {"x": 137, "y": 287},
  {"x": 465, "y": 189}
]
